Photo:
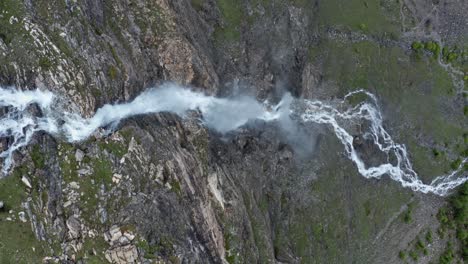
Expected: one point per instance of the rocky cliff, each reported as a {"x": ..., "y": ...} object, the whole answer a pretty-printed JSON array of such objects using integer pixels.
[{"x": 165, "y": 189}]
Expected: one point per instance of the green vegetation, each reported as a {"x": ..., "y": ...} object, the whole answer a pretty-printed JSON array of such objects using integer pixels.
[
  {"x": 456, "y": 164},
  {"x": 407, "y": 218},
  {"x": 449, "y": 55},
  {"x": 8, "y": 9},
  {"x": 176, "y": 187},
  {"x": 233, "y": 15},
  {"x": 37, "y": 157},
  {"x": 113, "y": 147},
  {"x": 447, "y": 256},
  {"x": 429, "y": 238},
  {"x": 414, "y": 256},
  {"x": 102, "y": 171},
  {"x": 433, "y": 47},
  {"x": 112, "y": 71},
  {"x": 197, "y": 4},
  {"x": 437, "y": 153},
  {"x": 455, "y": 217},
  {"x": 402, "y": 255},
  {"x": 373, "y": 17},
  {"x": 419, "y": 245},
  {"x": 230, "y": 256},
  {"x": 417, "y": 46},
  {"x": 91, "y": 245},
  {"x": 149, "y": 251},
  {"x": 45, "y": 63},
  {"x": 397, "y": 78},
  {"x": 18, "y": 239}
]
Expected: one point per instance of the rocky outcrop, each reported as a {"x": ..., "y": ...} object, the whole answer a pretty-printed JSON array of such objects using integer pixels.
[{"x": 165, "y": 189}]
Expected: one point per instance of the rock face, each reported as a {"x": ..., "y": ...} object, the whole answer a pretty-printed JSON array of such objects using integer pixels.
[{"x": 165, "y": 189}]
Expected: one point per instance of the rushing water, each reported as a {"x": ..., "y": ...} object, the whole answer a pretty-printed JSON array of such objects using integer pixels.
[{"x": 222, "y": 114}]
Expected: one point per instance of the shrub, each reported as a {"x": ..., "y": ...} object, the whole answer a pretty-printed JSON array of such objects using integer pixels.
[
  {"x": 429, "y": 238},
  {"x": 447, "y": 256},
  {"x": 417, "y": 45},
  {"x": 451, "y": 57},
  {"x": 455, "y": 164},
  {"x": 413, "y": 255}
]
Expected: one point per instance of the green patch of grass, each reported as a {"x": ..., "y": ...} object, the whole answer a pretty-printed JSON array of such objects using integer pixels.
[
  {"x": 414, "y": 256},
  {"x": 456, "y": 164},
  {"x": 176, "y": 187},
  {"x": 433, "y": 47},
  {"x": 407, "y": 215},
  {"x": 68, "y": 162},
  {"x": 230, "y": 255},
  {"x": 91, "y": 245},
  {"x": 115, "y": 148},
  {"x": 112, "y": 72},
  {"x": 417, "y": 46},
  {"x": 197, "y": 4},
  {"x": 402, "y": 255},
  {"x": 18, "y": 239},
  {"x": 429, "y": 238},
  {"x": 37, "y": 157},
  {"x": 447, "y": 256},
  {"x": 9, "y": 9},
  {"x": 399, "y": 81},
  {"x": 374, "y": 17},
  {"x": 233, "y": 14},
  {"x": 149, "y": 251},
  {"x": 419, "y": 245},
  {"x": 102, "y": 171},
  {"x": 455, "y": 217},
  {"x": 12, "y": 191},
  {"x": 45, "y": 63}
]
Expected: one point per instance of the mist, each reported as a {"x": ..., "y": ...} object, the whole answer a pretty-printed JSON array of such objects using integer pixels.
[{"x": 20, "y": 122}]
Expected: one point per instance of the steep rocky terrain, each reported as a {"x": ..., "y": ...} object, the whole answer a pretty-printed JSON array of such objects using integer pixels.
[{"x": 165, "y": 189}]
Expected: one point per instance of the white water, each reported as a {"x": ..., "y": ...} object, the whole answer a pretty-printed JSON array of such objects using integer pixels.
[{"x": 221, "y": 114}]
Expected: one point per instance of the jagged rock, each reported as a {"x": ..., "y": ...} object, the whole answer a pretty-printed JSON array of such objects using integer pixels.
[
  {"x": 113, "y": 235},
  {"x": 122, "y": 255},
  {"x": 74, "y": 227},
  {"x": 116, "y": 178},
  {"x": 25, "y": 180},
  {"x": 74, "y": 185},
  {"x": 79, "y": 155},
  {"x": 129, "y": 235},
  {"x": 22, "y": 217},
  {"x": 84, "y": 171},
  {"x": 2, "y": 204}
]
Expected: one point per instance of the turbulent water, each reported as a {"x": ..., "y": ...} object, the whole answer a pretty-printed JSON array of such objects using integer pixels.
[{"x": 20, "y": 122}]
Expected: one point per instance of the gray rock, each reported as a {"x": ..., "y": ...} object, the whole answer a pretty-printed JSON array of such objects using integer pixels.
[
  {"x": 74, "y": 227},
  {"x": 79, "y": 155}
]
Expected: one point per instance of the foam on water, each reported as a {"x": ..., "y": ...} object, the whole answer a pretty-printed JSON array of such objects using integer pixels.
[{"x": 19, "y": 124}]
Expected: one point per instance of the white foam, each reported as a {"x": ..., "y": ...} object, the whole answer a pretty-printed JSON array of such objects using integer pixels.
[
  {"x": 221, "y": 114},
  {"x": 402, "y": 171}
]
